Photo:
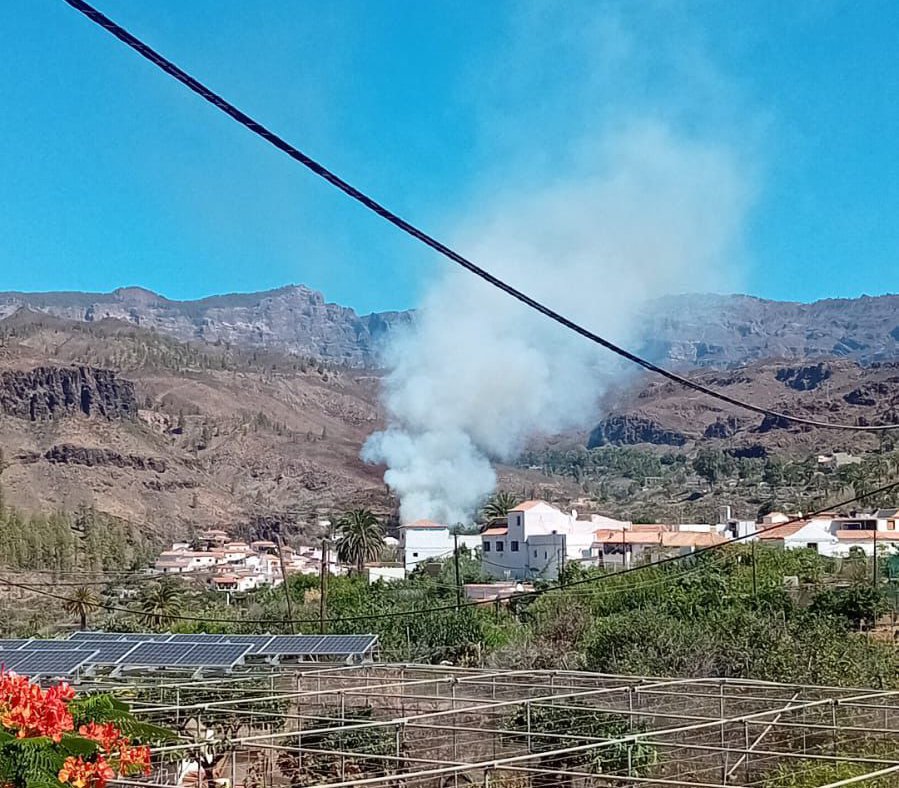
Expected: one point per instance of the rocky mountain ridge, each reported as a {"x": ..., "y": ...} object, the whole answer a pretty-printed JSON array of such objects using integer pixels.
[
  {"x": 292, "y": 319},
  {"x": 726, "y": 330},
  {"x": 717, "y": 331}
]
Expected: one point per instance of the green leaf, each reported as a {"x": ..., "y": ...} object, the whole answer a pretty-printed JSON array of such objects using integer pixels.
[{"x": 72, "y": 744}]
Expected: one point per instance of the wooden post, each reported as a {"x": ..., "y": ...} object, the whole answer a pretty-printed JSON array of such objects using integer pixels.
[
  {"x": 323, "y": 589},
  {"x": 458, "y": 577},
  {"x": 293, "y": 626}
]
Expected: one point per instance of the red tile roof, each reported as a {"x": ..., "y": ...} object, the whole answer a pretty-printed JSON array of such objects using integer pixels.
[
  {"x": 419, "y": 524},
  {"x": 780, "y": 531},
  {"x": 495, "y": 532},
  {"x": 858, "y": 536},
  {"x": 525, "y": 505},
  {"x": 692, "y": 539}
]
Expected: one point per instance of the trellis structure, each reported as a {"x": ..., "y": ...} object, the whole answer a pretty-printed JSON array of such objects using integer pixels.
[{"x": 437, "y": 726}]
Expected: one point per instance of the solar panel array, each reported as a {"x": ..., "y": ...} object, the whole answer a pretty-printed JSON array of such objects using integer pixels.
[
  {"x": 134, "y": 650},
  {"x": 51, "y": 663}
]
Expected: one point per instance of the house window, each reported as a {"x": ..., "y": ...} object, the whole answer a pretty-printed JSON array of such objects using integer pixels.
[
  {"x": 545, "y": 555},
  {"x": 513, "y": 546},
  {"x": 415, "y": 555},
  {"x": 500, "y": 546},
  {"x": 535, "y": 553},
  {"x": 486, "y": 546}
]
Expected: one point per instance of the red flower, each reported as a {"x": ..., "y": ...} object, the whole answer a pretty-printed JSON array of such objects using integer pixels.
[
  {"x": 86, "y": 774},
  {"x": 30, "y": 711}
]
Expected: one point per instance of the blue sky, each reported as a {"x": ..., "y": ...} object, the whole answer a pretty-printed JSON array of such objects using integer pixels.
[{"x": 113, "y": 174}]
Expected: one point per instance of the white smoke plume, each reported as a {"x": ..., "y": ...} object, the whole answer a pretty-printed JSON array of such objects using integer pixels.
[{"x": 648, "y": 213}]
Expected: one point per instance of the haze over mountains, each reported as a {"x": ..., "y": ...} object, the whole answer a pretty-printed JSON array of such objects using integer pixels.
[{"x": 689, "y": 330}]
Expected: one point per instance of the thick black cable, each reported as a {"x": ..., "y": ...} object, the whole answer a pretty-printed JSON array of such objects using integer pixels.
[
  {"x": 450, "y": 607},
  {"x": 323, "y": 172}
]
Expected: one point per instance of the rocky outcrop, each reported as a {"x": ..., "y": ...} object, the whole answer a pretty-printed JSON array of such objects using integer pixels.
[
  {"x": 628, "y": 430},
  {"x": 723, "y": 428},
  {"x": 804, "y": 378},
  {"x": 50, "y": 392},
  {"x": 870, "y": 393},
  {"x": 68, "y": 454}
]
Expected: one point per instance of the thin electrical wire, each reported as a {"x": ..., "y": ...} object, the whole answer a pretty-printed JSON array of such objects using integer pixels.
[
  {"x": 371, "y": 204},
  {"x": 453, "y": 607}
]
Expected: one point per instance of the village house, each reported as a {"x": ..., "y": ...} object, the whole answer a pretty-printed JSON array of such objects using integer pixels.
[
  {"x": 425, "y": 540},
  {"x": 836, "y": 535},
  {"x": 640, "y": 543},
  {"x": 536, "y": 541},
  {"x": 234, "y": 566}
]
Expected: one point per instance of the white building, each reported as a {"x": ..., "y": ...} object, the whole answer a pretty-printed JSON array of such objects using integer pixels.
[
  {"x": 424, "y": 540},
  {"x": 536, "y": 540},
  {"x": 834, "y": 535},
  {"x": 177, "y": 561}
]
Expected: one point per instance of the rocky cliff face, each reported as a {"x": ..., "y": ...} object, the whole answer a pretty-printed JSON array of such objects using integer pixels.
[
  {"x": 838, "y": 391},
  {"x": 720, "y": 331},
  {"x": 49, "y": 392},
  {"x": 688, "y": 330},
  {"x": 292, "y": 319}
]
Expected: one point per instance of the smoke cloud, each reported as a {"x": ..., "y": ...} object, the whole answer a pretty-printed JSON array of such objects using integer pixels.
[{"x": 648, "y": 212}]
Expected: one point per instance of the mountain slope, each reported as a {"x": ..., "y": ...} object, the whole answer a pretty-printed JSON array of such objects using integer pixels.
[
  {"x": 291, "y": 319},
  {"x": 188, "y": 436},
  {"x": 661, "y": 413}
]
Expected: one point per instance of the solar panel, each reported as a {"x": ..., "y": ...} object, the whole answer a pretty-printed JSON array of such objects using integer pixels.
[
  {"x": 9, "y": 645},
  {"x": 48, "y": 663},
  {"x": 257, "y": 643},
  {"x": 108, "y": 653},
  {"x": 150, "y": 654},
  {"x": 54, "y": 645},
  {"x": 344, "y": 645},
  {"x": 95, "y": 636},
  {"x": 200, "y": 637},
  {"x": 214, "y": 655},
  {"x": 291, "y": 645}
]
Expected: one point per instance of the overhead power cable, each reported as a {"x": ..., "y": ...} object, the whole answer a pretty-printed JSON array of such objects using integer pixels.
[
  {"x": 453, "y": 607},
  {"x": 410, "y": 229}
]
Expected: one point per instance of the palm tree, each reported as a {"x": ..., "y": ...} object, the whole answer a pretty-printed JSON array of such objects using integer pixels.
[
  {"x": 82, "y": 601},
  {"x": 499, "y": 505},
  {"x": 360, "y": 538},
  {"x": 161, "y": 601}
]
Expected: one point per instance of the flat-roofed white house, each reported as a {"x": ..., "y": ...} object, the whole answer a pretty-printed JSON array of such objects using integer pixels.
[
  {"x": 536, "y": 540},
  {"x": 836, "y": 535},
  {"x": 425, "y": 540}
]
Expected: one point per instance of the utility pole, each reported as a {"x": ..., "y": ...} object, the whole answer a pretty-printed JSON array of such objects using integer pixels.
[
  {"x": 323, "y": 588},
  {"x": 456, "y": 563},
  {"x": 563, "y": 552},
  {"x": 293, "y": 626},
  {"x": 754, "y": 583}
]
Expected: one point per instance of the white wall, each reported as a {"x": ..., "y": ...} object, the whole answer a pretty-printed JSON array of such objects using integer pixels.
[{"x": 423, "y": 544}]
